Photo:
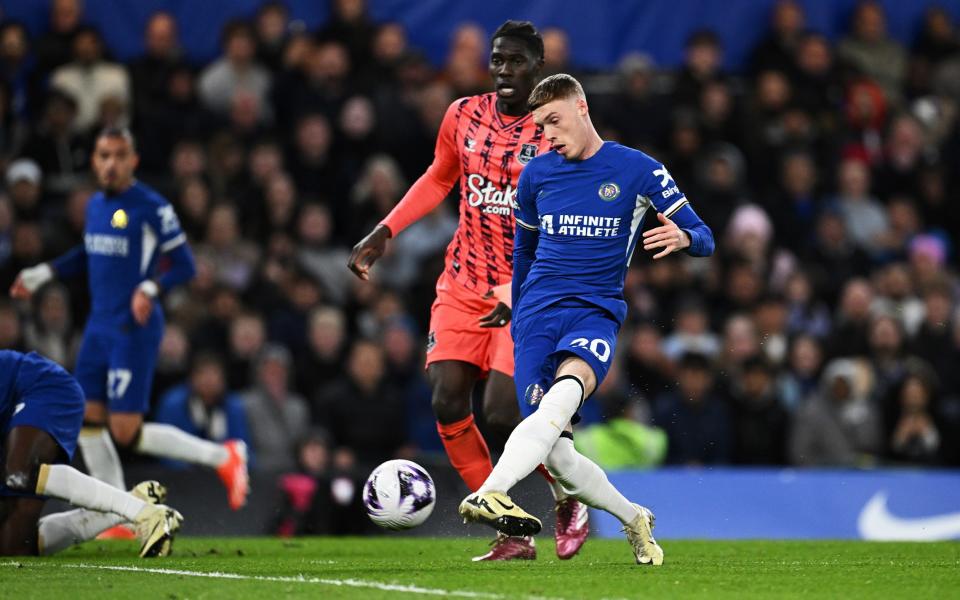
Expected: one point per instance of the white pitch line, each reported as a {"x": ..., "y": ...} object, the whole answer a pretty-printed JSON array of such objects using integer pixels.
[{"x": 355, "y": 583}]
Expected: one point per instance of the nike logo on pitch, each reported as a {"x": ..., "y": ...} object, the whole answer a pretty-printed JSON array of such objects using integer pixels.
[{"x": 876, "y": 522}]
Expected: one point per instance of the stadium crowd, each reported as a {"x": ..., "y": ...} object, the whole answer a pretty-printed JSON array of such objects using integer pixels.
[{"x": 825, "y": 331}]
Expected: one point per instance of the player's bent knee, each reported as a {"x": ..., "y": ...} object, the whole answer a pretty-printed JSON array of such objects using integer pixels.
[
  {"x": 561, "y": 460},
  {"x": 125, "y": 435},
  {"x": 451, "y": 393}
]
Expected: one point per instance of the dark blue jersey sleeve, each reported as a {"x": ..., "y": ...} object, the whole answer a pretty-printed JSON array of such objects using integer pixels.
[
  {"x": 527, "y": 234},
  {"x": 71, "y": 263},
  {"x": 178, "y": 265},
  {"x": 659, "y": 186}
]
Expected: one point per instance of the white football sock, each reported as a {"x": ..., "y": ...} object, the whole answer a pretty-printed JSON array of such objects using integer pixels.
[
  {"x": 535, "y": 436},
  {"x": 100, "y": 456},
  {"x": 61, "y": 530},
  {"x": 157, "y": 439},
  {"x": 66, "y": 483},
  {"x": 584, "y": 479}
]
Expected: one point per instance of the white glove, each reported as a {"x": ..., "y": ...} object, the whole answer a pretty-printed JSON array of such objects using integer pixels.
[{"x": 34, "y": 277}]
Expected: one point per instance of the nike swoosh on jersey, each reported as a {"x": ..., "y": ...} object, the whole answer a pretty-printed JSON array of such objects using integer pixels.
[
  {"x": 876, "y": 522},
  {"x": 19, "y": 407}
]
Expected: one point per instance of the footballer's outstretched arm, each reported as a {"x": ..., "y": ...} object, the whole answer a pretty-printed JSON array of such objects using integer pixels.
[
  {"x": 684, "y": 230},
  {"x": 72, "y": 263},
  {"x": 423, "y": 196}
]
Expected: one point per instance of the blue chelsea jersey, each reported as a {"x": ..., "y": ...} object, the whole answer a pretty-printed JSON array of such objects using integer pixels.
[
  {"x": 125, "y": 235},
  {"x": 588, "y": 218}
]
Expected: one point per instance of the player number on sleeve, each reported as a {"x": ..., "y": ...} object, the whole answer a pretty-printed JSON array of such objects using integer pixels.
[
  {"x": 599, "y": 348},
  {"x": 168, "y": 220},
  {"x": 118, "y": 380}
]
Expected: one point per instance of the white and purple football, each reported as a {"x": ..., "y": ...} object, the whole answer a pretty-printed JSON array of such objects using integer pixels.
[{"x": 399, "y": 494}]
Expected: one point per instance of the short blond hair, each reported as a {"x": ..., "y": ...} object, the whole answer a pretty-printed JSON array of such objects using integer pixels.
[{"x": 555, "y": 87}]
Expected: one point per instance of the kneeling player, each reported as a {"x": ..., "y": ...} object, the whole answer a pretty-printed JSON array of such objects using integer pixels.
[
  {"x": 581, "y": 208},
  {"x": 41, "y": 411}
]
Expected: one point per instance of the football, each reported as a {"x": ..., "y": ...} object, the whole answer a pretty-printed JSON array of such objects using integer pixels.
[{"x": 399, "y": 494}]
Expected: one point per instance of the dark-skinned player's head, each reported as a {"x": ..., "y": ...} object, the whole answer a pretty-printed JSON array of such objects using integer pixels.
[
  {"x": 115, "y": 159},
  {"x": 516, "y": 58}
]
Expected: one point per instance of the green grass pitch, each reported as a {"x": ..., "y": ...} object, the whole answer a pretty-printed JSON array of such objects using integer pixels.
[{"x": 403, "y": 567}]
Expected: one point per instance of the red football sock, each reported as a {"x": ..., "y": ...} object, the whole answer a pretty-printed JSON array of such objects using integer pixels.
[{"x": 467, "y": 451}]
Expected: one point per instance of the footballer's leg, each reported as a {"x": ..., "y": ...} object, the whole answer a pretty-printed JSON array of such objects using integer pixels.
[
  {"x": 61, "y": 530},
  {"x": 132, "y": 363},
  {"x": 26, "y": 448},
  {"x": 99, "y": 452},
  {"x": 452, "y": 383},
  {"x": 586, "y": 480},
  {"x": 503, "y": 413}
]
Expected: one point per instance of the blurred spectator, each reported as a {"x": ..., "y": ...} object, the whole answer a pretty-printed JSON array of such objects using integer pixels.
[
  {"x": 310, "y": 160},
  {"x": 6, "y": 230},
  {"x": 760, "y": 421},
  {"x": 465, "y": 70},
  {"x": 794, "y": 206},
  {"x": 801, "y": 375},
  {"x": 869, "y": 51},
  {"x": 234, "y": 259},
  {"x": 864, "y": 217},
  {"x": 694, "y": 416},
  {"x": 364, "y": 415},
  {"x": 203, "y": 406},
  {"x": 838, "y": 426},
  {"x": 692, "y": 333},
  {"x": 16, "y": 68},
  {"x": 849, "y": 336},
  {"x": 887, "y": 354},
  {"x": 248, "y": 335},
  {"x": 51, "y": 332},
  {"x": 896, "y": 297},
  {"x": 806, "y": 312},
  {"x": 638, "y": 112},
  {"x": 319, "y": 258},
  {"x": 777, "y": 49},
  {"x": 277, "y": 416},
  {"x": 556, "y": 51},
  {"x": 648, "y": 369},
  {"x": 937, "y": 40},
  {"x": 54, "y": 144},
  {"x": 933, "y": 339},
  {"x": 235, "y": 73},
  {"x": 834, "y": 258},
  {"x": 915, "y": 438},
  {"x": 271, "y": 23},
  {"x": 55, "y": 47},
  {"x": 817, "y": 83},
  {"x": 351, "y": 26},
  {"x": 151, "y": 72},
  {"x": 24, "y": 180},
  {"x": 324, "y": 358},
  {"x": 173, "y": 360},
  {"x": 770, "y": 317},
  {"x": 702, "y": 63},
  {"x": 11, "y": 332},
  {"x": 92, "y": 81},
  {"x": 324, "y": 495}
]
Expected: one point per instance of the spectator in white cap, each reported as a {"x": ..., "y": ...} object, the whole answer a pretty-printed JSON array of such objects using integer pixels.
[{"x": 23, "y": 186}]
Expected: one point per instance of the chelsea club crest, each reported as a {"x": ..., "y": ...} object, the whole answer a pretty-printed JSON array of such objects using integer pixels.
[
  {"x": 609, "y": 192},
  {"x": 527, "y": 152}
]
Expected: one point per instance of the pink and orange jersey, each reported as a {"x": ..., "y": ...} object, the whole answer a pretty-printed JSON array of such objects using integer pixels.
[{"x": 486, "y": 151}]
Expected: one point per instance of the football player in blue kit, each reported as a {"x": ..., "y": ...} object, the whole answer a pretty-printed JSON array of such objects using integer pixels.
[
  {"x": 41, "y": 411},
  {"x": 580, "y": 213},
  {"x": 129, "y": 228}
]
